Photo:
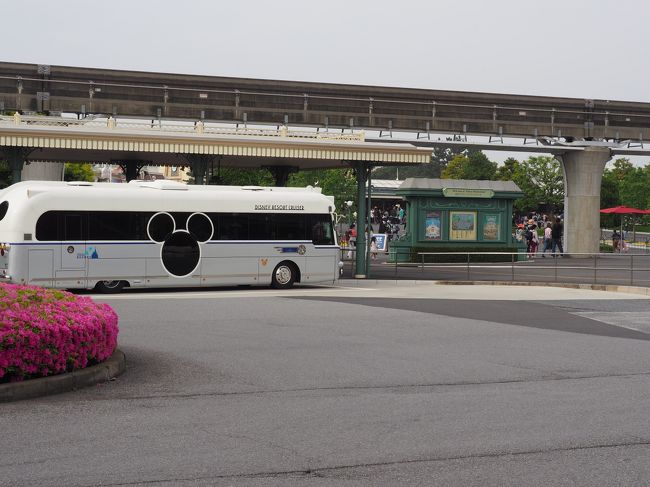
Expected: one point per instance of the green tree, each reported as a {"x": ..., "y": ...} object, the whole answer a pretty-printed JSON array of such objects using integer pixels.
[
  {"x": 609, "y": 190},
  {"x": 78, "y": 172},
  {"x": 242, "y": 177},
  {"x": 622, "y": 167},
  {"x": 474, "y": 165},
  {"x": 540, "y": 179},
  {"x": 508, "y": 170},
  {"x": 609, "y": 197},
  {"x": 439, "y": 160},
  {"x": 634, "y": 188},
  {"x": 5, "y": 174},
  {"x": 340, "y": 183}
]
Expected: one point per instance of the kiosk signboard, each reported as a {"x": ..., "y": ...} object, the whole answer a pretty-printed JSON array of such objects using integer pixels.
[{"x": 463, "y": 225}]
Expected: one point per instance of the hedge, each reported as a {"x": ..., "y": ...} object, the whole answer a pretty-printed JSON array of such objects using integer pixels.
[
  {"x": 443, "y": 256},
  {"x": 45, "y": 332}
]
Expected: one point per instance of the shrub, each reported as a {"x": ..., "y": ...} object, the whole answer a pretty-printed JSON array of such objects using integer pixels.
[
  {"x": 485, "y": 256},
  {"x": 45, "y": 332}
]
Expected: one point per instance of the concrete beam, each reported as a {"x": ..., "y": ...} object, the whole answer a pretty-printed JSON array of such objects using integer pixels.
[{"x": 583, "y": 173}]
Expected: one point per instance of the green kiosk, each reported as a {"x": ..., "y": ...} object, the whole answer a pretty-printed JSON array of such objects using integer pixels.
[{"x": 456, "y": 215}]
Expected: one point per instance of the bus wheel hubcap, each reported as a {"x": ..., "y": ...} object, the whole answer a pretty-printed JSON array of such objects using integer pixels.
[{"x": 283, "y": 275}]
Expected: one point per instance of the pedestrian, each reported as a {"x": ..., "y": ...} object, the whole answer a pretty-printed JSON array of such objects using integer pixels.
[
  {"x": 616, "y": 241},
  {"x": 373, "y": 247},
  {"x": 548, "y": 239},
  {"x": 531, "y": 240},
  {"x": 556, "y": 234},
  {"x": 353, "y": 235}
]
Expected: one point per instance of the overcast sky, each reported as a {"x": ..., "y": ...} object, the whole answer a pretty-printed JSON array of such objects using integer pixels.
[{"x": 573, "y": 48}]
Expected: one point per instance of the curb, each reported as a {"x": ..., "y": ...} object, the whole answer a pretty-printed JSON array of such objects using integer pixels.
[
  {"x": 110, "y": 368},
  {"x": 644, "y": 291}
]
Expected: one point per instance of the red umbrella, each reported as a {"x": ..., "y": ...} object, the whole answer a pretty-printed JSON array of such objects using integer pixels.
[{"x": 625, "y": 210}]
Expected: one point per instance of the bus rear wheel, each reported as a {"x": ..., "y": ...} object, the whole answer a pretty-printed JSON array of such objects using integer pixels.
[
  {"x": 284, "y": 275},
  {"x": 109, "y": 287}
]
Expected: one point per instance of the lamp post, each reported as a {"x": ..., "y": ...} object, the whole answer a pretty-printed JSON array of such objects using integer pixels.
[{"x": 349, "y": 205}]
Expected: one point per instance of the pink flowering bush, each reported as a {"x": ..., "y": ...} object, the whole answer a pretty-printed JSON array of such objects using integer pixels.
[{"x": 45, "y": 332}]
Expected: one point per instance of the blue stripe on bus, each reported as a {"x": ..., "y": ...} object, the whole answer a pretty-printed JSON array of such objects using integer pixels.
[
  {"x": 82, "y": 243},
  {"x": 140, "y": 242}
]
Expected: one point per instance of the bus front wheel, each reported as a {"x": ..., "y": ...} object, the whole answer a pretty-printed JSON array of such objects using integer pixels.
[
  {"x": 284, "y": 275},
  {"x": 109, "y": 287}
]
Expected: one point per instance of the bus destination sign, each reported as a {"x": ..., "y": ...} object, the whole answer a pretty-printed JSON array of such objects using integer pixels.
[{"x": 279, "y": 208}]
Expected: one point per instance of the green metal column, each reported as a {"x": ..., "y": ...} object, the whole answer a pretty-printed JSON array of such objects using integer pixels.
[
  {"x": 368, "y": 218},
  {"x": 281, "y": 173},
  {"x": 16, "y": 158},
  {"x": 131, "y": 170},
  {"x": 199, "y": 164},
  {"x": 360, "y": 269}
]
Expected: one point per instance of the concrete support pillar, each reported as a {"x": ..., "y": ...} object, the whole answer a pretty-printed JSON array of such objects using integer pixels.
[
  {"x": 583, "y": 173},
  {"x": 360, "y": 267}
]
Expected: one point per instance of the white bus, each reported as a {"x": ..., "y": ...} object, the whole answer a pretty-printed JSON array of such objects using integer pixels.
[{"x": 164, "y": 234}]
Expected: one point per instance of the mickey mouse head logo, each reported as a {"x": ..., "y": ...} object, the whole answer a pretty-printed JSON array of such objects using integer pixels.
[{"x": 180, "y": 252}]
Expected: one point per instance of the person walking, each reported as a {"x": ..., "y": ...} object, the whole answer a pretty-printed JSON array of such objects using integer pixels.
[
  {"x": 616, "y": 241},
  {"x": 556, "y": 235},
  {"x": 548, "y": 240},
  {"x": 373, "y": 247},
  {"x": 532, "y": 240}
]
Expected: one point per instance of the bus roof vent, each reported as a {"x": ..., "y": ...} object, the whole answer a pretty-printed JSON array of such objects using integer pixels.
[
  {"x": 252, "y": 188},
  {"x": 163, "y": 184},
  {"x": 79, "y": 183}
]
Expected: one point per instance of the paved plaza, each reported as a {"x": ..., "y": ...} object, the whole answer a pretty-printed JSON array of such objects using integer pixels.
[{"x": 362, "y": 384}]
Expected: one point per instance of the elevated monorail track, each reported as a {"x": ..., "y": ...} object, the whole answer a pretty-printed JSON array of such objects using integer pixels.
[{"x": 85, "y": 91}]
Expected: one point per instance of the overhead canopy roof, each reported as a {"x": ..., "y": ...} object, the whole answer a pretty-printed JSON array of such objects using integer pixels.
[{"x": 101, "y": 142}]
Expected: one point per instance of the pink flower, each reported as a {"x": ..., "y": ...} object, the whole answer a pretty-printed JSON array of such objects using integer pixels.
[{"x": 49, "y": 331}]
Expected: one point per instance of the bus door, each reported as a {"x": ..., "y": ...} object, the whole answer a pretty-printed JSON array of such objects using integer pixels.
[{"x": 73, "y": 250}]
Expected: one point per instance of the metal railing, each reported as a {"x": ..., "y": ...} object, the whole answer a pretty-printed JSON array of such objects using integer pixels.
[
  {"x": 159, "y": 125},
  {"x": 631, "y": 269}
]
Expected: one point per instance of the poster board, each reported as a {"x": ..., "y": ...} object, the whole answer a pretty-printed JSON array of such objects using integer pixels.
[
  {"x": 433, "y": 225},
  {"x": 462, "y": 225}
]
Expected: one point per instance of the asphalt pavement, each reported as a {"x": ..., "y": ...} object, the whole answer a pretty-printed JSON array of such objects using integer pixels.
[{"x": 362, "y": 384}]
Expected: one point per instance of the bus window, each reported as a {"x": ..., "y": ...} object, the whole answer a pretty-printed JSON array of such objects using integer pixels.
[
  {"x": 233, "y": 226},
  {"x": 46, "y": 226},
  {"x": 259, "y": 227},
  {"x": 289, "y": 226},
  {"x": 321, "y": 230},
  {"x": 72, "y": 227},
  {"x": 4, "y": 206}
]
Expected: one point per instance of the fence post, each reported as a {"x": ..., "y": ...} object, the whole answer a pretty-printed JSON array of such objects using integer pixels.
[
  {"x": 422, "y": 272},
  {"x": 631, "y": 269},
  {"x": 595, "y": 268},
  {"x": 468, "y": 266},
  {"x": 556, "y": 258},
  {"x": 512, "y": 267}
]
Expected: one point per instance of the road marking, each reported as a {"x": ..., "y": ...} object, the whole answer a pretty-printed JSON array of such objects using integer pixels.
[{"x": 224, "y": 293}]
